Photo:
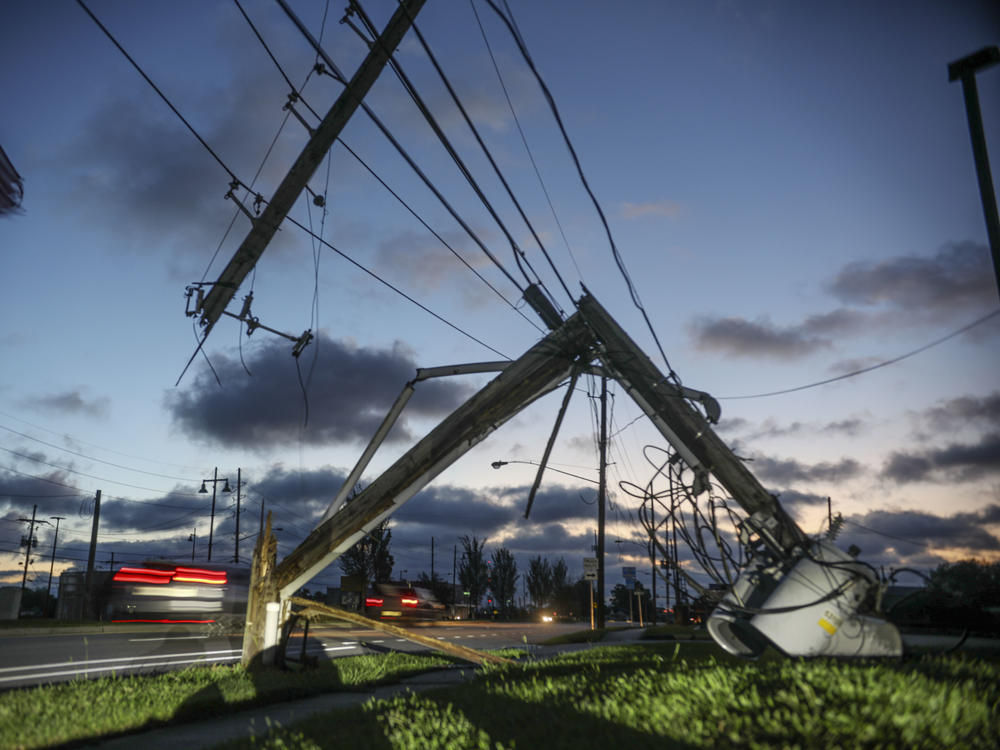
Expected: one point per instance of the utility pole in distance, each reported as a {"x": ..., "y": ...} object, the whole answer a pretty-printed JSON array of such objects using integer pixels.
[
  {"x": 28, "y": 542},
  {"x": 52, "y": 563},
  {"x": 965, "y": 69},
  {"x": 92, "y": 554},
  {"x": 236, "y": 555},
  {"x": 204, "y": 490}
]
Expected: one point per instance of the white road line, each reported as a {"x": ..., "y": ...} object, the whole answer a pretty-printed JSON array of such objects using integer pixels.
[
  {"x": 376, "y": 641},
  {"x": 119, "y": 658},
  {"x": 171, "y": 638},
  {"x": 338, "y": 648},
  {"x": 66, "y": 672}
]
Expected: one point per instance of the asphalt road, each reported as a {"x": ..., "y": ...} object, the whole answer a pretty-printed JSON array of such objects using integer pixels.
[{"x": 55, "y": 655}]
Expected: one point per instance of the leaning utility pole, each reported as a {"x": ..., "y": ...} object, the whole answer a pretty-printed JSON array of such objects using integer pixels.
[
  {"x": 264, "y": 588},
  {"x": 321, "y": 139},
  {"x": 965, "y": 69}
]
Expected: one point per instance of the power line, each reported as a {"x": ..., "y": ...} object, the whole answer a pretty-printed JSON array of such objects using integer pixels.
[
  {"x": 863, "y": 370},
  {"x": 524, "y": 140},
  {"x": 91, "y": 458},
  {"x": 95, "y": 445},
  {"x": 619, "y": 261},
  {"x": 109, "y": 35},
  {"x": 396, "y": 289}
]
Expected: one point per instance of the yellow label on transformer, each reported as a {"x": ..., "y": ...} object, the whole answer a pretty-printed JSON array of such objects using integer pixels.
[{"x": 828, "y": 626}]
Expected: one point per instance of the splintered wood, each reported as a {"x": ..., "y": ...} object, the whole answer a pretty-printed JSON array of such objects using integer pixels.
[{"x": 462, "y": 652}]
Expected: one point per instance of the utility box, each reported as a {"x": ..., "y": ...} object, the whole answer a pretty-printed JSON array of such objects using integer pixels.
[{"x": 10, "y": 602}]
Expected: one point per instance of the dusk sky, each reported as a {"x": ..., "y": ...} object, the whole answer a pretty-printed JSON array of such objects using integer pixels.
[{"x": 790, "y": 185}]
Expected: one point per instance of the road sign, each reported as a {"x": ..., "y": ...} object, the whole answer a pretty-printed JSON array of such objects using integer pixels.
[
  {"x": 590, "y": 568},
  {"x": 629, "y": 575}
]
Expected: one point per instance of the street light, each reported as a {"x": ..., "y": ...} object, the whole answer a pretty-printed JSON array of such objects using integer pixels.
[
  {"x": 191, "y": 538},
  {"x": 204, "y": 490},
  {"x": 498, "y": 464}
]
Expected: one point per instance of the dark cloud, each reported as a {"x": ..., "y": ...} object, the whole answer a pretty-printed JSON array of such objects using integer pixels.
[
  {"x": 900, "y": 534},
  {"x": 788, "y": 471},
  {"x": 350, "y": 391},
  {"x": 792, "y": 500},
  {"x": 958, "y": 276},
  {"x": 771, "y": 429},
  {"x": 957, "y": 462},
  {"x": 961, "y": 412},
  {"x": 71, "y": 402},
  {"x": 759, "y": 338}
]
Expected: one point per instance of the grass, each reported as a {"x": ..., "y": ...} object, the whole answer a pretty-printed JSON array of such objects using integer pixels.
[
  {"x": 85, "y": 709},
  {"x": 648, "y": 696},
  {"x": 674, "y": 633}
]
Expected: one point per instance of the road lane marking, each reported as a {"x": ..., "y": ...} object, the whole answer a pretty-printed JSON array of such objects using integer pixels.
[
  {"x": 171, "y": 638},
  {"x": 119, "y": 658},
  {"x": 66, "y": 672}
]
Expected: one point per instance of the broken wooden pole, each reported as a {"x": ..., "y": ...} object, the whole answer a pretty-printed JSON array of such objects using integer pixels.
[{"x": 259, "y": 640}]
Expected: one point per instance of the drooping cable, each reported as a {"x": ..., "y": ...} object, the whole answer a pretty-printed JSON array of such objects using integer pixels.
[
  {"x": 864, "y": 370},
  {"x": 619, "y": 261},
  {"x": 446, "y": 143},
  {"x": 489, "y": 156},
  {"x": 202, "y": 141},
  {"x": 395, "y": 143},
  {"x": 524, "y": 140}
]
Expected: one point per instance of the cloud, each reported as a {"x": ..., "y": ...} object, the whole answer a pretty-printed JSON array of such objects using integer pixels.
[
  {"x": 960, "y": 412},
  {"x": 71, "y": 402},
  {"x": 424, "y": 260},
  {"x": 667, "y": 208},
  {"x": 900, "y": 292},
  {"x": 957, "y": 277},
  {"x": 350, "y": 391},
  {"x": 136, "y": 167},
  {"x": 787, "y": 471},
  {"x": 903, "y": 532},
  {"x": 760, "y": 338},
  {"x": 771, "y": 429},
  {"x": 956, "y": 462}
]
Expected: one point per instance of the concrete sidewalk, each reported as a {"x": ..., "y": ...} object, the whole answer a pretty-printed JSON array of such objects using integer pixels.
[{"x": 258, "y": 721}]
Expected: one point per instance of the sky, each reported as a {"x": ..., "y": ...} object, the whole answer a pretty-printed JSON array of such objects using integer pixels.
[{"x": 790, "y": 186}]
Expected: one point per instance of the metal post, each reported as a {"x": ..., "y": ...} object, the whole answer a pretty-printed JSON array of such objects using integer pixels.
[
  {"x": 236, "y": 555},
  {"x": 93, "y": 553},
  {"x": 601, "y": 498},
  {"x": 965, "y": 69},
  {"x": 52, "y": 563},
  {"x": 211, "y": 523}
]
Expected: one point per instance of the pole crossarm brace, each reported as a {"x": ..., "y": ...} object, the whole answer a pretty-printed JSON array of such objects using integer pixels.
[
  {"x": 291, "y": 187},
  {"x": 540, "y": 370},
  {"x": 312, "y": 608}
]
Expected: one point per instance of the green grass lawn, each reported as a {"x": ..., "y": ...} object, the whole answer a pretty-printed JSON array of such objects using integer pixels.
[
  {"x": 649, "y": 696},
  {"x": 64, "y": 712}
]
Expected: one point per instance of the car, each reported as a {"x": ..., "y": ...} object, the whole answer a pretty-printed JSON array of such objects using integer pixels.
[{"x": 399, "y": 602}]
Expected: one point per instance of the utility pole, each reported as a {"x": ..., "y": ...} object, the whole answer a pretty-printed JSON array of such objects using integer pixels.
[
  {"x": 52, "y": 564},
  {"x": 652, "y": 560},
  {"x": 454, "y": 563},
  {"x": 601, "y": 499},
  {"x": 28, "y": 543},
  {"x": 92, "y": 554},
  {"x": 193, "y": 538},
  {"x": 211, "y": 524},
  {"x": 432, "y": 559},
  {"x": 236, "y": 555},
  {"x": 965, "y": 69}
]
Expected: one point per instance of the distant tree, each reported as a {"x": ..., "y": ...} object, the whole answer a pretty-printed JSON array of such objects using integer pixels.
[
  {"x": 503, "y": 579},
  {"x": 473, "y": 573},
  {"x": 539, "y": 580},
  {"x": 370, "y": 558}
]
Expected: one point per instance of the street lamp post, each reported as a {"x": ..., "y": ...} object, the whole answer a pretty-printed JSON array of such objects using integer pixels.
[
  {"x": 211, "y": 525},
  {"x": 192, "y": 537},
  {"x": 498, "y": 464}
]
